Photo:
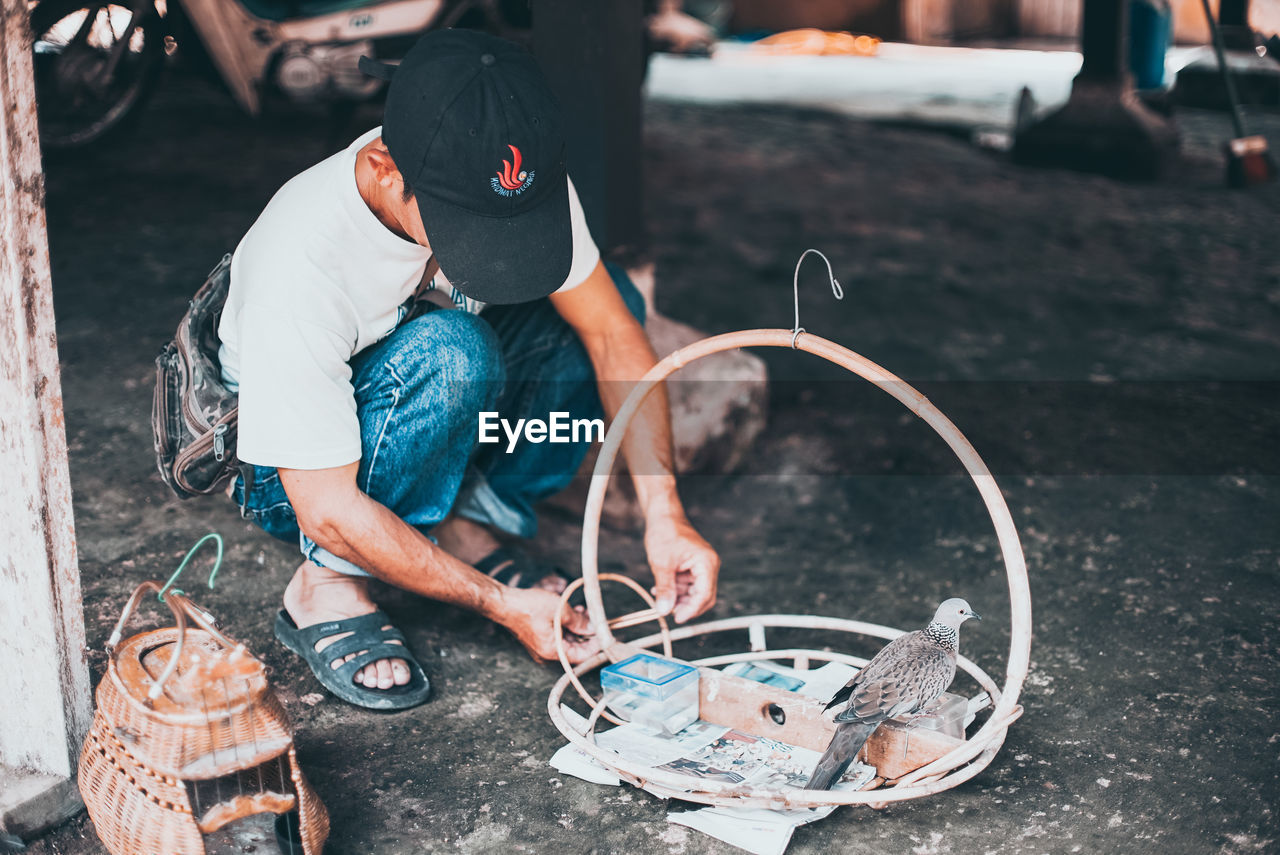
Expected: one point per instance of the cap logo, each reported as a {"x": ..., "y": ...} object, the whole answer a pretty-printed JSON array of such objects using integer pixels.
[{"x": 511, "y": 180}]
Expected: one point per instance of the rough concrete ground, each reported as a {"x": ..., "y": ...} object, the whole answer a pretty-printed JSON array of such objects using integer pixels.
[{"x": 1112, "y": 349}]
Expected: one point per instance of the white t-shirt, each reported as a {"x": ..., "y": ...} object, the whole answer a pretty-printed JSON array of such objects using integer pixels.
[{"x": 317, "y": 279}]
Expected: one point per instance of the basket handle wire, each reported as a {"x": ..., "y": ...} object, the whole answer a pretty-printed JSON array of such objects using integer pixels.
[
  {"x": 183, "y": 610},
  {"x": 213, "y": 573}
]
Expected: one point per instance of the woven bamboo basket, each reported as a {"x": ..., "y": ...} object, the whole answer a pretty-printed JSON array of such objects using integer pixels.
[
  {"x": 187, "y": 736},
  {"x": 910, "y": 764}
]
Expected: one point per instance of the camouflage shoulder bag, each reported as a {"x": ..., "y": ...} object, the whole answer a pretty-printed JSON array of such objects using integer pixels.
[{"x": 193, "y": 415}]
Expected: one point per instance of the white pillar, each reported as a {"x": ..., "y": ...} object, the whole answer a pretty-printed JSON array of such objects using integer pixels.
[{"x": 44, "y": 694}]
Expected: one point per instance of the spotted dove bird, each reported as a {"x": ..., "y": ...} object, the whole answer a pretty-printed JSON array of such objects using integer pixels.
[{"x": 907, "y": 675}]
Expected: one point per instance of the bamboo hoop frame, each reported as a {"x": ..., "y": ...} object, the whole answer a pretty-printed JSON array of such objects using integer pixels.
[{"x": 952, "y": 769}]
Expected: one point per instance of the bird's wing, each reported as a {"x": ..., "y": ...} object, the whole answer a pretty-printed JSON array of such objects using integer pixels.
[
  {"x": 904, "y": 682},
  {"x": 842, "y": 695},
  {"x": 873, "y": 669}
]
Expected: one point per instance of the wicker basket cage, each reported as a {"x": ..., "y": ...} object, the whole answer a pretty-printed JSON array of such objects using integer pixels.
[
  {"x": 187, "y": 737},
  {"x": 750, "y": 704}
]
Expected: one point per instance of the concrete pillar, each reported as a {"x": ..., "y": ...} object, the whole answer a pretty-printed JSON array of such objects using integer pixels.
[
  {"x": 1104, "y": 34},
  {"x": 1103, "y": 127},
  {"x": 45, "y": 703},
  {"x": 1233, "y": 18},
  {"x": 593, "y": 54}
]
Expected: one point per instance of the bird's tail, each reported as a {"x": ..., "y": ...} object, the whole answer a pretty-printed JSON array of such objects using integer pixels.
[{"x": 844, "y": 747}]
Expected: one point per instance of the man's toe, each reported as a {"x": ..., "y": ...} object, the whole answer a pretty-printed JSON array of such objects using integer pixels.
[
  {"x": 400, "y": 672},
  {"x": 385, "y": 680}
]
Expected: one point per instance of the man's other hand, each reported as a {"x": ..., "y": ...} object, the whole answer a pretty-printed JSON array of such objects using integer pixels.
[
  {"x": 530, "y": 615},
  {"x": 685, "y": 568}
]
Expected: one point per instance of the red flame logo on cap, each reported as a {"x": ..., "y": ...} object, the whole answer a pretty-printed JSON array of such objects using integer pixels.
[{"x": 511, "y": 178}]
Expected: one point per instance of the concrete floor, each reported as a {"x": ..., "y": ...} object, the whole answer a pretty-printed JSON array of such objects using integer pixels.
[{"x": 1113, "y": 350}]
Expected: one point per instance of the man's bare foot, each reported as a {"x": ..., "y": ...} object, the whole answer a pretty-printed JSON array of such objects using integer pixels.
[
  {"x": 470, "y": 542},
  {"x": 317, "y": 594}
]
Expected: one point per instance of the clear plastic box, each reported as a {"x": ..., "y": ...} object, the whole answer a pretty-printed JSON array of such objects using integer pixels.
[
  {"x": 657, "y": 694},
  {"x": 946, "y": 715}
]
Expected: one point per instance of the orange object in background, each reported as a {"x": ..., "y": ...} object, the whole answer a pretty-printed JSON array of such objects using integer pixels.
[{"x": 818, "y": 43}]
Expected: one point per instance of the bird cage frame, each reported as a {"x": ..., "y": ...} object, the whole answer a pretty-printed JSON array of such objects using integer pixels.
[{"x": 755, "y": 707}]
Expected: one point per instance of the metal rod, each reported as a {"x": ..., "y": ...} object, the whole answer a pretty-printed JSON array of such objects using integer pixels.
[{"x": 1220, "y": 50}]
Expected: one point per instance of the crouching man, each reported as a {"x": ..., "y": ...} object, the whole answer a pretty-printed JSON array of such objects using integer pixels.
[{"x": 438, "y": 268}]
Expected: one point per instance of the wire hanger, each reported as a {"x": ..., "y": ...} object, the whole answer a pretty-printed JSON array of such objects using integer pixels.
[{"x": 795, "y": 285}]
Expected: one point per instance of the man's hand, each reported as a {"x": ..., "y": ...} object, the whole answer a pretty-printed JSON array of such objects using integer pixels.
[
  {"x": 530, "y": 616},
  {"x": 685, "y": 568}
]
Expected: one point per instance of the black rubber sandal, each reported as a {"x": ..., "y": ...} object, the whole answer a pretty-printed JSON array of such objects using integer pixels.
[
  {"x": 517, "y": 569},
  {"x": 368, "y": 635}
]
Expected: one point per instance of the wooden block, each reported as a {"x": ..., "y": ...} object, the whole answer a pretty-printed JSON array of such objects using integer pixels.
[
  {"x": 754, "y": 708},
  {"x": 895, "y": 751},
  {"x": 751, "y": 707}
]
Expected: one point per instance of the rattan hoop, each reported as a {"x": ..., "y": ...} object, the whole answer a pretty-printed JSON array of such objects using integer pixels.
[{"x": 957, "y": 766}]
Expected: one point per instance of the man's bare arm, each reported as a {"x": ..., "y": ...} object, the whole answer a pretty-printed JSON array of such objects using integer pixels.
[
  {"x": 685, "y": 568},
  {"x": 337, "y": 515}
]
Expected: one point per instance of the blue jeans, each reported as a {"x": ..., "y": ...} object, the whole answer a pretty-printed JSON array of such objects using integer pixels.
[{"x": 419, "y": 392}]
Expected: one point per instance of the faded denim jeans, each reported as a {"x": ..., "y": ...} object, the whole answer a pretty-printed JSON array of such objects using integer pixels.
[{"x": 419, "y": 393}]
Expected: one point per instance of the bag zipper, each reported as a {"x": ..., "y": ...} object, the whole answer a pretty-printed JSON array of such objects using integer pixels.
[
  {"x": 219, "y": 443},
  {"x": 215, "y": 438},
  {"x": 196, "y": 421},
  {"x": 160, "y": 398}
]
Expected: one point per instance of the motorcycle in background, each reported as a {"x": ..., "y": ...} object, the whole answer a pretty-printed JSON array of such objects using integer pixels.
[{"x": 96, "y": 63}]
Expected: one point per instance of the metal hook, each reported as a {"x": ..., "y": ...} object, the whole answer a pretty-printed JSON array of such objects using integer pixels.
[
  {"x": 213, "y": 574},
  {"x": 836, "y": 290}
]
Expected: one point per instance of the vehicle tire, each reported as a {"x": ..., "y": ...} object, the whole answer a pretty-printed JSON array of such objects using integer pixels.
[{"x": 74, "y": 109}]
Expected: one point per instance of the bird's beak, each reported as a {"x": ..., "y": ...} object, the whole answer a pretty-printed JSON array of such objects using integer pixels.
[{"x": 975, "y": 615}]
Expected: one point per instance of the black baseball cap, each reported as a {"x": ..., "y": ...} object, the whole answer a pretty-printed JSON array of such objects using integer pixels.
[{"x": 472, "y": 126}]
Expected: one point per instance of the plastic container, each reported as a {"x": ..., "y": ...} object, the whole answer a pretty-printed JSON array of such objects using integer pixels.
[
  {"x": 945, "y": 715},
  {"x": 657, "y": 694}
]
